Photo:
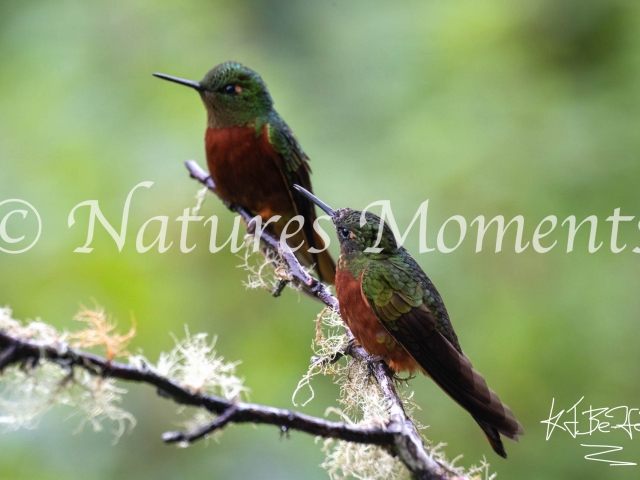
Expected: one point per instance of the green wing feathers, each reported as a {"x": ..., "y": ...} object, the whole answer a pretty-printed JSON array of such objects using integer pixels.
[
  {"x": 295, "y": 169},
  {"x": 398, "y": 283},
  {"x": 411, "y": 310},
  {"x": 284, "y": 142}
]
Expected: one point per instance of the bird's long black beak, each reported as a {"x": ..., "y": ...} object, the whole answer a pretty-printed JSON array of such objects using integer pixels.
[
  {"x": 315, "y": 200},
  {"x": 181, "y": 81}
]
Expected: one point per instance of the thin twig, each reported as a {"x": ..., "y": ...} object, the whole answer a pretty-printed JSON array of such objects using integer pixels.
[{"x": 190, "y": 437}]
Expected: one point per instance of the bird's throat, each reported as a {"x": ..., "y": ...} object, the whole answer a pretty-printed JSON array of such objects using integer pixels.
[{"x": 355, "y": 263}]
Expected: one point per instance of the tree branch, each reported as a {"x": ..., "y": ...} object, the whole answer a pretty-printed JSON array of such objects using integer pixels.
[
  {"x": 399, "y": 437},
  {"x": 23, "y": 351},
  {"x": 400, "y": 434}
]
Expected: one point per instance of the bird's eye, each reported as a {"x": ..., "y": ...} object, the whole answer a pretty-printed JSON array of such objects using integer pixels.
[
  {"x": 231, "y": 89},
  {"x": 344, "y": 232}
]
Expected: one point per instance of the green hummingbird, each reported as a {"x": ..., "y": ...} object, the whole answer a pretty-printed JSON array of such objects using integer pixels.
[
  {"x": 254, "y": 157},
  {"x": 394, "y": 311}
]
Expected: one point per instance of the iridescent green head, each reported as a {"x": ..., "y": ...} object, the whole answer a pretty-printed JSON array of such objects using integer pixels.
[
  {"x": 233, "y": 94},
  {"x": 366, "y": 233},
  {"x": 358, "y": 232}
]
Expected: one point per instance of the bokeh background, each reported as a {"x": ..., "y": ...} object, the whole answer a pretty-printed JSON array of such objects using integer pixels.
[{"x": 486, "y": 107}]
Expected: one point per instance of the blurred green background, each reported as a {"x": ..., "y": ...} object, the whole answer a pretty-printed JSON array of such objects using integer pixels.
[{"x": 486, "y": 107}]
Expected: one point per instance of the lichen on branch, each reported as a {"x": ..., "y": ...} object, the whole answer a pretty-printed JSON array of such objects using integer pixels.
[
  {"x": 374, "y": 436},
  {"x": 31, "y": 388}
]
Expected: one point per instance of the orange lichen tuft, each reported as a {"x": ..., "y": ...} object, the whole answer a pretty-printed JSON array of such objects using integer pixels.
[{"x": 101, "y": 332}]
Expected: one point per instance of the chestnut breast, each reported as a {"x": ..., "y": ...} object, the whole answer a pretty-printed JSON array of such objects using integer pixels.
[
  {"x": 365, "y": 326},
  {"x": 246, "y": 170}
]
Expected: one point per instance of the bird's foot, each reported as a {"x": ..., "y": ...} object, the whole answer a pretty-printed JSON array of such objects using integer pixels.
[
  {"x": 347, "y": 348},
  {"x": 403, "y": 380}
]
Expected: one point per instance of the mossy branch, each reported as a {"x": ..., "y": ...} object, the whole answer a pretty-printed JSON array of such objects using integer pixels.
[
  {"x": 15, "y": 350},
  {"x": 401, "y": 434},
  {"x": 37, "y": 359}
]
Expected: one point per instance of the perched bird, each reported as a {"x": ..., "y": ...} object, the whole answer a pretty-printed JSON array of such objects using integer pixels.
[
  {"x": 254, "y": 157},
  {"x": 394, "y": 311}
]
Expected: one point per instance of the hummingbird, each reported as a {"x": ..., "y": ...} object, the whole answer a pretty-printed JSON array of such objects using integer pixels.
[
  {"x": 254, "y": 158},
  {"x": 395, "y": 312}
]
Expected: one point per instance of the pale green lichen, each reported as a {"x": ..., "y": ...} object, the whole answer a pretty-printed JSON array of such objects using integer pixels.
[
  {"x": 28, "y": 392},
  {"x": 201, "y": 194},
  {"x": 330, "y": 340},
  {"x": 195, "y": 364},
  {"x": 265, "y": 269},
  {"x": 34, "y": 330}
]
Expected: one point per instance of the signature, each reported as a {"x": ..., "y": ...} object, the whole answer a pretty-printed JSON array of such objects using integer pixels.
[{"x": 595, "y": 420}]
